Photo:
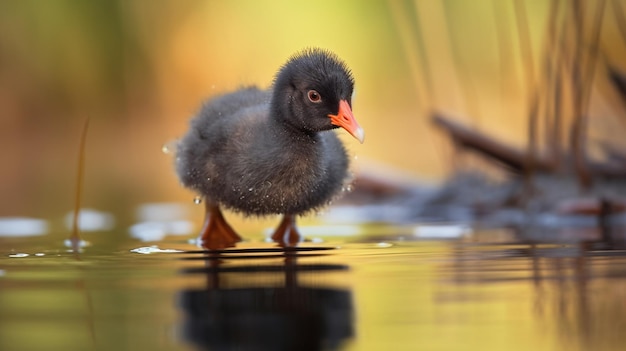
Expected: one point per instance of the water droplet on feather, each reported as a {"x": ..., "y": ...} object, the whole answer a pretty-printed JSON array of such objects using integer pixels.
[{"x": 169, "y": 147}]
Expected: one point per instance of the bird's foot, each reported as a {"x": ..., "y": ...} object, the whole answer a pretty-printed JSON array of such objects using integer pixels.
[
  {"x": 287, "y": 234},
  {"x": 216, "y": 233}
]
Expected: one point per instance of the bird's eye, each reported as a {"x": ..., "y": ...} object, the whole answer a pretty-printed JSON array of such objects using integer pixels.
[{"x": 314, "y": 96}]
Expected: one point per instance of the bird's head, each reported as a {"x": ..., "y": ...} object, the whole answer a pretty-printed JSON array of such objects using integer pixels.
[{"x": 313, "y": 91}]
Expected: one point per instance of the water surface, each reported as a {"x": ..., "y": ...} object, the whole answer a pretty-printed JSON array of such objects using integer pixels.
[{"x": 479, "y": 290}]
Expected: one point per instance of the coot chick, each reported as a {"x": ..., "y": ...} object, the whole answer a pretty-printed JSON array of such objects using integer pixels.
[{"x": 262, "y": 152}]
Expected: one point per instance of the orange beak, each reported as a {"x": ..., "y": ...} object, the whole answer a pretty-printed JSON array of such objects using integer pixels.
[{"x": 345, "y": 120}]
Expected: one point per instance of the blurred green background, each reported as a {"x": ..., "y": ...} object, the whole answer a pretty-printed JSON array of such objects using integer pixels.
[{"x": 140, "y": 69}]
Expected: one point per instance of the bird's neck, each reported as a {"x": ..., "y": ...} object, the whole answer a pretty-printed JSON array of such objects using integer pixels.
[
  {"x": 285, "y": 128},
  {"x": 293, "y": 135}
]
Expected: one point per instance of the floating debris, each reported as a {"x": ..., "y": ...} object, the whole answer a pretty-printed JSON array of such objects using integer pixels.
[
  {"x": 153, "y": 249},
  {"x": 441, "y": 231},
  {"x": 155, "y": 231},
  {"x": 73, "y": 244},
  {"x": 383, "y": 245}
]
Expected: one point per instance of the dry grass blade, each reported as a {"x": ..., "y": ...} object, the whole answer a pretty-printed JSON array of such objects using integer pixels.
[
  {"x": 75, "y": 234},
  {"x": 526, "y": 51},
  {"x": 583, "y": 80}
]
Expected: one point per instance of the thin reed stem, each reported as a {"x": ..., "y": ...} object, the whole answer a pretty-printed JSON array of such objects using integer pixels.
[{"x": 75, "y": 234}]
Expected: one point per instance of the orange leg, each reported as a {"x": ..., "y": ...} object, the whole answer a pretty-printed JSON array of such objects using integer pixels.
[
  {"x": 287, "y": 234},
  {"x": 216, "y": 233}
]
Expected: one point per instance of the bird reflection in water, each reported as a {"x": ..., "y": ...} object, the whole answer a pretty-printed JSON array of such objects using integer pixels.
[{"x": 284, "y": 315}]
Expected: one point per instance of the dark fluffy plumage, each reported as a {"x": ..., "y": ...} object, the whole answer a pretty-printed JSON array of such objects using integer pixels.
[{"x": 267, "y": 152}]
